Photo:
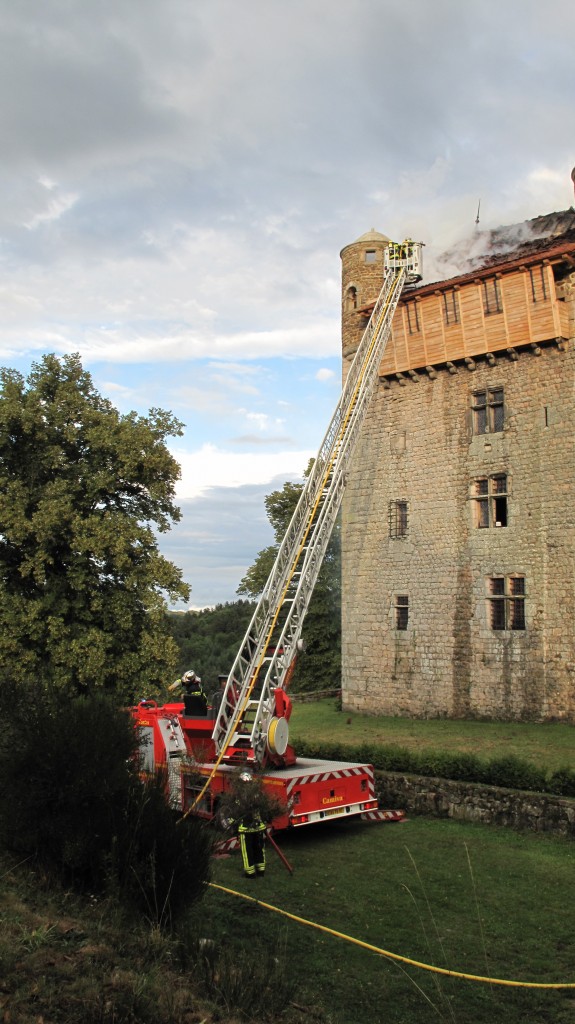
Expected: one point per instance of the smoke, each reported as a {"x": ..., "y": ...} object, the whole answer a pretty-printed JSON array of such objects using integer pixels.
[{"x": 476, "y": 249}]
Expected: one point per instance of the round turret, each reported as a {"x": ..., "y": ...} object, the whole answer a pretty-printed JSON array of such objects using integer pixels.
[{"x": 361, "y": 281}]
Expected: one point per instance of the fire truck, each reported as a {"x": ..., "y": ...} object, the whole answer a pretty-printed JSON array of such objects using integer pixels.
[{"x": 201, "y": 754}]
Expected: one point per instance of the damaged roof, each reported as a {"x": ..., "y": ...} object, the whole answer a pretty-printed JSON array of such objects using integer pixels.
[{"x": 552, "y": 235}]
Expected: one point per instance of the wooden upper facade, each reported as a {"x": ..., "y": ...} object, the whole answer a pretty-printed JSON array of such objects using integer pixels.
[{"x": 511, "y": 303}]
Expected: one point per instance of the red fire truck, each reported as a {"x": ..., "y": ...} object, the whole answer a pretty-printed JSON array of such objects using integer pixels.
[
  {"x": 309, "y": 790},
  {"x": 250, "y": 728}
]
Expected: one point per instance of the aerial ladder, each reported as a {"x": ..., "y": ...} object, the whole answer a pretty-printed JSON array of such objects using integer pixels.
[{"x": 252, "y": 722}]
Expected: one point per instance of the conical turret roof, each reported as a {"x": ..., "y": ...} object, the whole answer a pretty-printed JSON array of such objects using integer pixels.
[{"x": 372, "y": 236}]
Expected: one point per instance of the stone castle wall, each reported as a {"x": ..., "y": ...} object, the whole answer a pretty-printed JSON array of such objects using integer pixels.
[{"x": 418, "y": 447}]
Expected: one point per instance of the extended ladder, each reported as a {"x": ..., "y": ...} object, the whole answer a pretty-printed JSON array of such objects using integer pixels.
[{"x": 249, "y": 722}]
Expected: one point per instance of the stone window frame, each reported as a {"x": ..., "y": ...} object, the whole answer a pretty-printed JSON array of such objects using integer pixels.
[
  {"x": 371, "y": 255},
  {"x": 488, "y": 410},
  {"x": 490, "y": 501},
  {"x": 398, "y": 514},
  {"x": 401, "y": 611},
  {"x": 351, "y": 298},
  {"x": 505, "y": 599}
]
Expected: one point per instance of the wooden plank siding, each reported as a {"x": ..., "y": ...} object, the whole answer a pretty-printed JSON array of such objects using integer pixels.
[{"x": 421, "y": 337}]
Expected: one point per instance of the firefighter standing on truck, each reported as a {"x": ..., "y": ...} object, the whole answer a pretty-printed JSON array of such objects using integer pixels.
[
  {"x": 252, "y": 835},
  {"x": 195, "y": 700}
]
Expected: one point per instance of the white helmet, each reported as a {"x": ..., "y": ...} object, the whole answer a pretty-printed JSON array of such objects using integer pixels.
[
  {"x": 245, "y": 777},
  {"x": 189, "y": 677}
]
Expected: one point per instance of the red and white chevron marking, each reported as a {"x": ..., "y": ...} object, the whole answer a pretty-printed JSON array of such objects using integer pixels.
[
  {"x": 383, "y": 816},
  {"x": 225, "y": 847},
  {"x": 343, "y": 773}
]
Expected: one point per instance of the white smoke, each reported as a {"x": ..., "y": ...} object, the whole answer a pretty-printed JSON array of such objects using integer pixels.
[{"x": 474, "y": 250}]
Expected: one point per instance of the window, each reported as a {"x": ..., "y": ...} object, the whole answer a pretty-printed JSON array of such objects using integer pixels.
[
  {"x": 398, "y": 519},
  {"x": 489, "y": 495},
  {"x": 506, "y": 602},
  {"x": 370, "y": 255},
  {"x": 401, "y": 611},
  {"x": 538, "y": 284},
  {"x": 351, "y": 298},
  {"x": 487, "y": 411},
  {"x": 451, "y": 307},
  {"x": 412, "y": 318},
  {"x": 491, "y": 297},
  {"x": 146, "y": 747}
]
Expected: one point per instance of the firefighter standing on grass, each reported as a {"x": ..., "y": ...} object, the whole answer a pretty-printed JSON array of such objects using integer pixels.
[
  {"x": 249, "y": 809},
  {"x": 252, "y": 835}
]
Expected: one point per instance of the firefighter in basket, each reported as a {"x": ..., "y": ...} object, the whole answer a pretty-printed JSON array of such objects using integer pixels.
[{"x": 195, "y": 700}]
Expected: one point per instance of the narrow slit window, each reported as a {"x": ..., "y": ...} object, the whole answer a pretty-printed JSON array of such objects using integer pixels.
[
  {"x": 401, "y": 611},
  {"x": 398, "y": 519}
]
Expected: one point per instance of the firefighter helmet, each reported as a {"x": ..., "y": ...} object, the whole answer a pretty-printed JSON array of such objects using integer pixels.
[
  {"x": 189, "y": 677},
  {"x": 245, "y": 777}
]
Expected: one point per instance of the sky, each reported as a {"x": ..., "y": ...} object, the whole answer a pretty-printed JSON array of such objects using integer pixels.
[{"x": 178, "y": 178}]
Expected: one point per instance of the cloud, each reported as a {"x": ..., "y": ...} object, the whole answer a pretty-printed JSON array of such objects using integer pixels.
[
  {"x": 256, "y": 439},
  {"x": 217, "y": 540},
  {"x": 210, "y": 467},
  {"x": 174, "y": 196}
]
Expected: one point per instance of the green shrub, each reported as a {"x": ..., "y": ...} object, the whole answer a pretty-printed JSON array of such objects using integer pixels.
[
  {"x": 509, "y": 772},
  {"x": 513, "y": 773},
  {"x": 160, "y": 863},
  {"x": 389, "y": 758},
  {"x": 72, "y": 801},
  {"x": 562, "y": 782},
  {"x": 66, "y": 766}
]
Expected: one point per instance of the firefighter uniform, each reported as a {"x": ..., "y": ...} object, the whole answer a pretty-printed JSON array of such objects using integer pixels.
[
  {"x": 195, "y": 700},
  {"x": 252, "y": 834}
]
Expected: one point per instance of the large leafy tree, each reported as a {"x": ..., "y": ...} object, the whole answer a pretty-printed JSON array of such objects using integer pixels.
[
  {"x": 320, "y": 667},
  {"x": 82, "y": 491}
]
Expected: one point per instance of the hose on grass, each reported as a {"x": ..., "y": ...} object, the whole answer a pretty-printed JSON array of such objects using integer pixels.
[{"x": 394, "y": 956}]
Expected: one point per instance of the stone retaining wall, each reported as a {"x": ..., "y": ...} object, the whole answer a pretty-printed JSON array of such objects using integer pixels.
[
  {"x": 465, "y": 801},
  {"x": 309, "y": 698}
]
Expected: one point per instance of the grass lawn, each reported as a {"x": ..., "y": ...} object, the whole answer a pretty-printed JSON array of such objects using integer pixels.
[
  {"x": 478, "y": 900},
  {"x": 551, "y": 745},
  {"x": 482, "y": 901}
]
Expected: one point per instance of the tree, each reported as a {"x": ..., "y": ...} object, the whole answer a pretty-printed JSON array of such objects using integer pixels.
[
  {"x": 82, "y": 583},
  {"x": 320, "y": 667},
  {"x": 209, "y": 640}
]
